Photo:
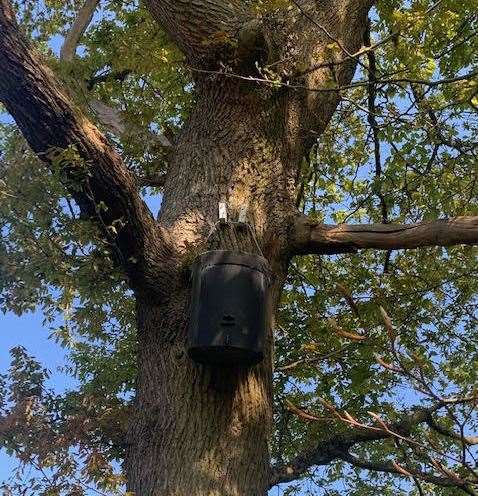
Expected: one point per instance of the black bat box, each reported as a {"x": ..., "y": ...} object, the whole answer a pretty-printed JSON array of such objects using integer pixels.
[{"x": 229, "y": 308}]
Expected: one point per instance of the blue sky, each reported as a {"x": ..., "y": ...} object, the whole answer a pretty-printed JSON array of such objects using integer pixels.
[{"x": 28, "y": 331}]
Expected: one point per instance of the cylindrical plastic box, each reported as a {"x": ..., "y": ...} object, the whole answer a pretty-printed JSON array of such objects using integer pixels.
[{"x": 229, "y": 308}]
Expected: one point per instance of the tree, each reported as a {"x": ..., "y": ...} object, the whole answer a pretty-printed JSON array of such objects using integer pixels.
[{"x": 300, "y": 113}]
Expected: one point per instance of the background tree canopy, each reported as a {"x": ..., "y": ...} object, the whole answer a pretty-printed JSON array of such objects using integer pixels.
[{"x": 369, "y": 340}]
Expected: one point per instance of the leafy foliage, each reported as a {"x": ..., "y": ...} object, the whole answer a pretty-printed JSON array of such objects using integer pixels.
[{"x": 425, "y": 128}]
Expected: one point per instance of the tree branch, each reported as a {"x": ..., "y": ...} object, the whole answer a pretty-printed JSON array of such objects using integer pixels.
[
  {"x": 199, "y": 28},
  {"x": 114, "y": 121},
  {"x": 108, "y": 116},
  {"x": 309, "y": 237},
  {"x": 79, "y": 26},
  {"x": 394, "y": 468},
  {"x": 92, "y": 170},
  {"x": 152, "y": 181},
  {"x": 337, "y": 446},
  {"x": 108, "y": 76},
  {"x": 328, "y": 450},
  {"x": 469, "y": 440}
]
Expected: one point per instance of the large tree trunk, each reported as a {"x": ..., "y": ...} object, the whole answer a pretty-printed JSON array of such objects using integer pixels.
[
  {"x": 227, "y": 151},
  {"x": 197, "y": 430}
]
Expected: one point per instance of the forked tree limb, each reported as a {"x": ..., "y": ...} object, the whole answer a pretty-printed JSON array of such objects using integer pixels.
[
  {"x": 309, "y": 237},
  {"x": 333, "y": 448},
  {"x": 201, "y": 27},
  {"x": 231, "y": 39},
  {"x": 99, "y": 182}
]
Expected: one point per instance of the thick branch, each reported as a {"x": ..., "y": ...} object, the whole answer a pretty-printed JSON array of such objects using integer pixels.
[
  {"x": 309, "y": 237},
  {"x": 152, "y": 181},
  {"x": 202, "y": 26},
  {"x": 98, "y": 180},
  {"x": 79, "y": 26}
]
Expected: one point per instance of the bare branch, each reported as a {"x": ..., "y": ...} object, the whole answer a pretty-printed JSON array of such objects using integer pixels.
[
  {"x": 90, "y": 167},
  {"x": 310, "y": 237},
  {"x": 363, "y": 51},
  {"x": 302, "y": 413},
  {"x": 366, "y": 5},
  {"x": 324, "y": 30},
  {"x": 78, "y": 28},
  {"x": 341, "y": 87},
  {"x": 113, "y": 120}
]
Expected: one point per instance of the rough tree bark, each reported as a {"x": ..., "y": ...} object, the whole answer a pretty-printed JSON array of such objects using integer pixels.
[{"x": 197, "y": 431}]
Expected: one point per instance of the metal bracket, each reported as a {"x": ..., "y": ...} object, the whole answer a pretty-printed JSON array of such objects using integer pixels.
[
  {"x": 243, "y": 214},
  {"x": 223, "y": 213}
]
